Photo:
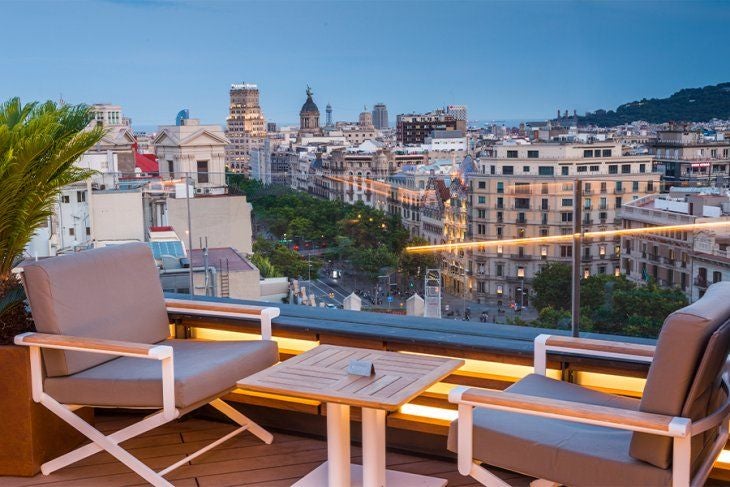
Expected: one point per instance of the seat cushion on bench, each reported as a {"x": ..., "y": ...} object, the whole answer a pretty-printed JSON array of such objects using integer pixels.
[
  {"x": 557, "y": 450},
  {"x": 203, "y": 369}
]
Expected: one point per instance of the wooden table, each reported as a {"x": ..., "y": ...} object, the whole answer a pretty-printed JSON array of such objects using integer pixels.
[{"x": 321, "y": 374}]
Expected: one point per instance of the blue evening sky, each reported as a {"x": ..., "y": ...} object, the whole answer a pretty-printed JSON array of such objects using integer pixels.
[{"x": 501, "y": 59}]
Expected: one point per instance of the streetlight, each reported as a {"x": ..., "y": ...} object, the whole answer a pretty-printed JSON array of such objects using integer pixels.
[{"x": 521, "y": 275}]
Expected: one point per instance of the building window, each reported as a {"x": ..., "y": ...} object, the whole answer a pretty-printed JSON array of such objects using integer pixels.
[
  {"x": 649, "y": 186},
  {"x": 625, "y": 168},
  {"x": 642, "y": 167},
  {"x": 500, "y": 203},
  {"x": 522, "y": 203},
  {"x": 500, "y": 232},
  {"x": 525, "y": 168},
  {"x": 512, "y": 154},
  {"x": 508, "y": 170},
  {"x": 618, "y": 202},
  {"x": 566, "y": 251},
  {"x": 543, "y": 252},
  {"x": 481, "y": 213},
  {"x": 587, "y": 153},
  {"x": 582, "y": 168},
  {"x": 500, "y": 187},
  {"x": 606, "y": 152},
  {"x": 566, "y": 216},
  {"x": 635, "y": 186},
  {"x": 546, "y": 170},
  {"x": 613, "y": 169},
  {"x": 88, "y": 231},
  {"x": 500, "y": 249},
  {"x": 565, "y": 202},
  {"x": 65, "y": 199},
  {"x": 80, "y": 196},
  {"x": 533, "y": 154},
  {"x": 171, "y": 169},
  {"x": 595, "y": 168},
  {"x": 500, "y": 270},
  {"x": 482, "y": 184},
  {"x": 564, "y": 170},
  {"x": 481, "y": 229},
  {"x": 72, "y": 231},
  {"x": 500, "y": 290},
  {"x": 482, "y": 199},
  {"x": 716, "y": 276}
]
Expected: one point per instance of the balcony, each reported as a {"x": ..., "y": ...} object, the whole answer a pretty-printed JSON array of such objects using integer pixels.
[
  {"x": 619, "y": 190},
  {"x": 521, "y": 221},
  {"x": 520, "y": 256}
]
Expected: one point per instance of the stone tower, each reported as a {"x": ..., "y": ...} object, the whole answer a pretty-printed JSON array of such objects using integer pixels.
[{"x": 309, "y": 115}]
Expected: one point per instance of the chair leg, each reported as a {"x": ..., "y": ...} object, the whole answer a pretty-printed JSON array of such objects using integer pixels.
[
  {"x": 242, "y": 420},
  {"x": 148, "y": 423},
  {"x": 485, "y": 477},
  {"x": 543, "y": 483},
  {"x": 104, "y": 442}
]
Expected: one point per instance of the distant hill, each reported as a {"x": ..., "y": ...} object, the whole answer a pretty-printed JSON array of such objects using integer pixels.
[{"x": 688, "y": 105}]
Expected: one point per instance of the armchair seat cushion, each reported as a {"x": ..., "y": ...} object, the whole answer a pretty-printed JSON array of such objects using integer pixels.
[
  {"x": 203, "y": 369},
  {"x": 561, "y": 451}
]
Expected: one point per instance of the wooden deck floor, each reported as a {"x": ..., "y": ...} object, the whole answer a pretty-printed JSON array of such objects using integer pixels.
[{"x": 243, "y": 460}]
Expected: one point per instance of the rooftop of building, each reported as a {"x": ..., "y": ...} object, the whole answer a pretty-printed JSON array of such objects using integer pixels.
[{"x": 223, "y": 258}]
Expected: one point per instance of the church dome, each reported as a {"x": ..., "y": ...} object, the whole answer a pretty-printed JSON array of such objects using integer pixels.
[{"x": 309, "y": 105}]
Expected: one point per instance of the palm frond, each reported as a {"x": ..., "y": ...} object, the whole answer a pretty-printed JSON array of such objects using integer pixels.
[{"x": 39, "y": 145}]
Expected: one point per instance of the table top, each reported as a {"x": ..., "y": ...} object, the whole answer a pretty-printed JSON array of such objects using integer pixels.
[{"x": 321, "y": 374}]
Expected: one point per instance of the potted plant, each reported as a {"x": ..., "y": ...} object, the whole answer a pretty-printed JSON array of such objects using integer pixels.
[{"x": 39, "y": 144}]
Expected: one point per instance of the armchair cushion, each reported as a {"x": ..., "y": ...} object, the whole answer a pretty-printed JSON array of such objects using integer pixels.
[
  {"x": 679, "y": 351},
  {"x": 112, "y": 292},
  {"x": 203, "y": 369},
  {"x": 562, "y": 451}
]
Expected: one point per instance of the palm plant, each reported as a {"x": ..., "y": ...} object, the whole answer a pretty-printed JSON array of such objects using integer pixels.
[{"x": 39, "y": 143}]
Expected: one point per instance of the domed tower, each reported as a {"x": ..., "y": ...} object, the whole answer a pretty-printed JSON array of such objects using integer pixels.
[{"x": 309, "y": 115}]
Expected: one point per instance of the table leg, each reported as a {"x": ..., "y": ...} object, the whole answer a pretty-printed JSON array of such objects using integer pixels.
[
  {"x": 373, "y": 447},
  {"x": 338, "y": 445}
]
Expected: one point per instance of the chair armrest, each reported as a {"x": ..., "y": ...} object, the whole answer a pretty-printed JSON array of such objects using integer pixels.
[
  {"x": 590, "y": 347},
  {"x": 163, "y": 353},
  {"x": 625, "y": 419},
  {"x": 95, "y": 345},
  {"x": 264, "y": 314}
]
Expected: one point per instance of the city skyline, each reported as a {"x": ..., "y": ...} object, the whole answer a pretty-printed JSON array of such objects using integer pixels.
[{"x": 502, "y": 60}]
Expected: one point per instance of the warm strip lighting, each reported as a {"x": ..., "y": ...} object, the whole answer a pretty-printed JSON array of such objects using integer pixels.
[
  {"x": 288, "y": 344},
  {"x": 564, "y": 238},
  {"x": 723, "y": 459},
  {"x": 429, "y": 412}
]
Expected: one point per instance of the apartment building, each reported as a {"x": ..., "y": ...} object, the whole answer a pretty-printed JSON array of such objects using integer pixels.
[
  {"x": 689, "y": 158},
  {"x": 527, "y": 190},
  {"x": 360, "y": 176},
  {"x": 690, "y": 261},
  {"x": 414, "y": 128},
  {"x": 245, "y": 125}
]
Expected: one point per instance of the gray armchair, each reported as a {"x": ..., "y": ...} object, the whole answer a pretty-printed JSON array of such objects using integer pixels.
[
  {"x": 562, "y": 433},
  {"x": 102, "y": 341}
]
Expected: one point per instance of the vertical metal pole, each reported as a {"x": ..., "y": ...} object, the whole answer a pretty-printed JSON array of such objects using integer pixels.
[
  {"x": 190, "y": 235},
  {"x": 577, "y": 247}
]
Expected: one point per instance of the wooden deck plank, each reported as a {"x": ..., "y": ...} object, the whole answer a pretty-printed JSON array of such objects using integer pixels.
[{"x": 243, "y": 460}]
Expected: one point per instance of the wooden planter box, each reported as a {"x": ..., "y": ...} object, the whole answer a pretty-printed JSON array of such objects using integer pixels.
[{"x": 30, "y": 434}]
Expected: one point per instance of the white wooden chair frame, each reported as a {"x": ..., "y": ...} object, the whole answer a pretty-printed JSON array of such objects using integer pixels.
[
  {"x": 680, "y": 429},
  {"x": 169, "y": 412}
]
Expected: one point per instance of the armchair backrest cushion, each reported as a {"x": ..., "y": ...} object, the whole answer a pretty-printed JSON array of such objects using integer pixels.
[
  {"x": 705, "y": 394},
  {"x": 112, "y": 292},
  {"x": 680, "y": 350}
]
